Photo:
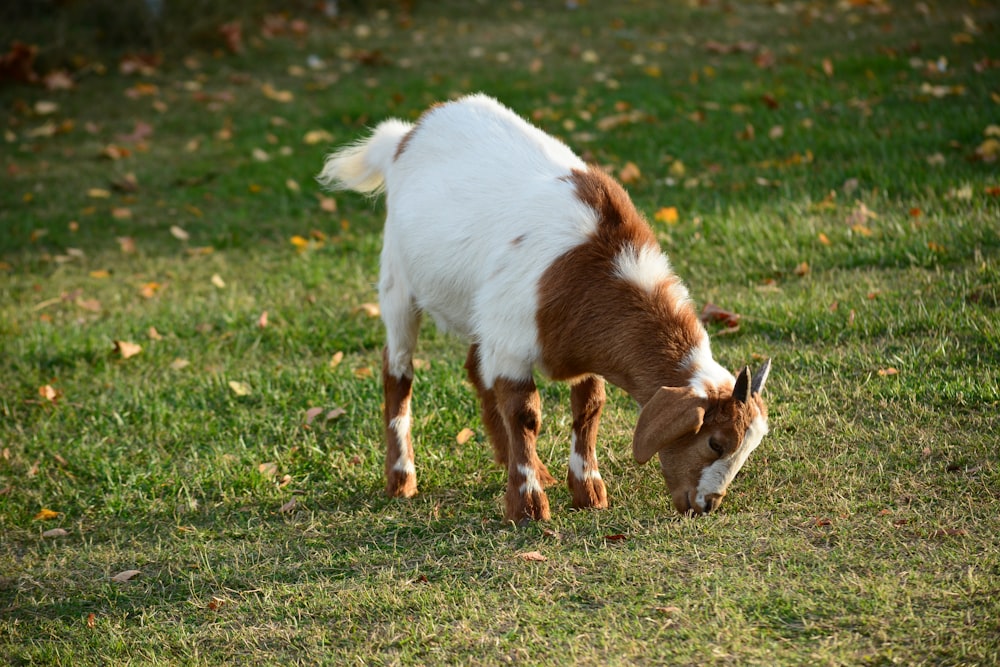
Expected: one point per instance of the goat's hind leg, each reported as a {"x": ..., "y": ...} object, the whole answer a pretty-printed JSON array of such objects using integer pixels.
[
  {"x": 587, "y": 400},
  {"x": 402, "y": 323},
  {"x": 492, "y": 419}
]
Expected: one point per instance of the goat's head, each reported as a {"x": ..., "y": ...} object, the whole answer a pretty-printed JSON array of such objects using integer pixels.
[{"x": 702, "y": 441}]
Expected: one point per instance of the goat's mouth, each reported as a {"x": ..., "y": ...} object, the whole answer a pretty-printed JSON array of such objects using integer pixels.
[{"x": 687, "y": 504}]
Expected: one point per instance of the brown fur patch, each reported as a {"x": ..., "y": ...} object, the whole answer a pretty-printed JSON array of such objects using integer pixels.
[
  {"x": 592, "y": 321},
  {"x": 405, "y": 142},
  {"x": 397, "y": 393}
]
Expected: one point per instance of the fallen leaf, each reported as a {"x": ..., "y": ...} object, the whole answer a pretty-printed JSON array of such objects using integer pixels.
[
  {"x": 126, "y": 349},
  {"x": 121, "y": 213},
  {"x": 328, "y": 204},
  {"x": 49, "y": 393},
  {"x": 271, "y": 93},
  {"x": 45, "y": 107},
  {"x": 125, "y": 575},
  {"x": 669, "y": 610},
  {"x": 369, "y": 309},
  {"x": 464, "y": 436},
  {"x": 98, "y": 193},
  {"x": 218, "y": 281},
  {"x": 91, "y": 620},
  {"x": 363, "y": 372},
  {"x": 260, "y": 155},
  {"x": 827, "y": 67},
  {"x": 667, "y": 214},
  {"x": 312, "y": 413},
  {"x": 153, "y": 334},
  {"x": 179, "y": 364},
  {"x": 824, "y": 239},
  {"x": 629, "y": 173},
  {"x": 949, "y": 532},
  {"x": 58, "y": 80},
  {"x": 240, "y": 388},
  {"x": 617, "y": 537},
  {"x": 46, "y": 515},
  {"x": 532, "y": 556},
  {"x": 215, "y": 604},
  {"x": 179, "y": 233},
  {"x": 149, "y": 290},
  {"x": 820, "y": 521},
  {"x": 314, "y": 137},
  {"x": 802, "y": 269},
  {"x": 300, "y": 242},
  {"x": 713, "y": 313},
  {"x": 288, "y": 507},
  {"x": 336, "y": 413},
  {"x": 262, "y": 320},
  {"x": 268, "y": 469},
  {"x": 336, "y": 359},
  {"x": 55, "y": 532},
  {"x": 126, "y": 244},
  {"x": 888, "y": 371}
]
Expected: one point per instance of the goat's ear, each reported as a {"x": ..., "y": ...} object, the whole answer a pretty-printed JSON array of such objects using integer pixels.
[
  {"x": 741, "y": 392},
  {"x": 671, "y": 414},
  {"x": 760, "y": 377}
]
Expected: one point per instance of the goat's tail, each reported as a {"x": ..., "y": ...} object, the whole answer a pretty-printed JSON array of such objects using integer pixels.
[{"x": 362, "y": 166}]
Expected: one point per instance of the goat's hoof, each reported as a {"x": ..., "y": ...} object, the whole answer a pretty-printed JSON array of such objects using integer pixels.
[
  {"x": 525, "y": 507},
  {"x": 400, "y": 484},
  {"x": 589, "y": 494}
]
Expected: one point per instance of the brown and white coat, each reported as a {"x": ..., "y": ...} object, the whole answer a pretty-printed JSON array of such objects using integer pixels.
[{"x": 503, "y": 235}]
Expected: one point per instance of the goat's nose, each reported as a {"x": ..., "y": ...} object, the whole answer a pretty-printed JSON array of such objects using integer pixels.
[{"x": 712, "y": 502}]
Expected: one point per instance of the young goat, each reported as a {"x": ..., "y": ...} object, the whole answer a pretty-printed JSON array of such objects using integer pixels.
[{"x": 503, "y": 235}]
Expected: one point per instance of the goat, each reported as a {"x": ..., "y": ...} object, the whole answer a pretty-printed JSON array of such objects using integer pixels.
[{"x": 503, "y": 235}]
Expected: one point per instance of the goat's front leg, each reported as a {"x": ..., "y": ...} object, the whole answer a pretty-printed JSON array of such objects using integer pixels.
[
  {"x": 585, "y": 483},
  {"x": 527, "y": 476},
  {"x": 400, "y": 473}
]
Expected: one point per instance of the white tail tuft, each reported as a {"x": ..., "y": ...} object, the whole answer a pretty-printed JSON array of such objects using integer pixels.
[{"x": 362, "y": 165}]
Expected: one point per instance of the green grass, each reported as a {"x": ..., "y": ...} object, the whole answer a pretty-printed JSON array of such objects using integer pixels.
[{"x": 864, "y": 530}]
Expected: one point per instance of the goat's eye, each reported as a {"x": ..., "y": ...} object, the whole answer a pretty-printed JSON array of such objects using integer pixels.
[{"x": 716, "y": 446}]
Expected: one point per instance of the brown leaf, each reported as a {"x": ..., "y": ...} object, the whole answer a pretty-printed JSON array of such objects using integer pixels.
[
  {"x": 336, "y": 413},
  {"x": 288, "y": 507},
  {"x": 55, "y": 532},
  {"x": 312, "y": 413},
  {"x": 617, "y": 537},
  {"x": 369, "y": 309},
  {"x": 268, "y": 469},
  {"x": 126, "y": 349},
  {"x": 629, "y": 173},
  {"x": 464, "y": 436},
  {"x": 712, "y": 313},
  {"x": 215, "y": 604},
  {"x": 49, "y": 393},
  {"x": 126, "y": 244},
  {"x": 802, "y": 269},
  {"x": 125, "y": 575},
  {"x": 262, "y": 320},
  {"x": 532, "y": 556},
  {"x": 91, "y": 620},
  {"x": 336, "y": 359},
  {"x": 888, "y": 371},
  {"x": 153, "y": 334}
]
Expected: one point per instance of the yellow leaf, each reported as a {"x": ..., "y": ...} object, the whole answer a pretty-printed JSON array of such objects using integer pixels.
[
  {"x": 271, "y": 93},
  {"x": 218, "y": 281},
  {"x": 677, "y": 169},
  {"x": 127, "y": 349},
  {"x": 100, "y": 274},
  {"x": 46, "y": 515},
  {"x": 824, "y": 239},
  {"x": 464, "y": 436},
  {"x": 293, "y": 185},
  {"x": 314, "y": 137},
  {"x": 98, "y": 193},
  {"x": 300, "y": 242},
  {"x": 148, "y": 290},
  {"x": 369, "y": 309},
  {"x": 240, "y": 388},
  {"x": 667, "y": 214}
]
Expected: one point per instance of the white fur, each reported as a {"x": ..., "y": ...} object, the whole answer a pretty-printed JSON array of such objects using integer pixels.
[
  {"x": 717, "y": 477},
  {"x": 530, "y": 484},
  {"x": 479, "y": 207},
  {"x": 578, "y": 466},
  {"x": 646, "y": 267},
  {"x": 707, "y": 374},
  {"x": 401, "y": 427}
]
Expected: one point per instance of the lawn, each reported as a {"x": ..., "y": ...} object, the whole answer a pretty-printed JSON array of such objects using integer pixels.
[{"x": 190, "y": 421}]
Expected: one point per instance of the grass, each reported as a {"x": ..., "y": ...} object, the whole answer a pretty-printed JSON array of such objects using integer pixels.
[{"x": 859, "y": 241}]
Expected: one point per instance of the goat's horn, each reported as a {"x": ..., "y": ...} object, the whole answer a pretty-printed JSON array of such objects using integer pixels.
[{"x": 741, "y": 392}]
